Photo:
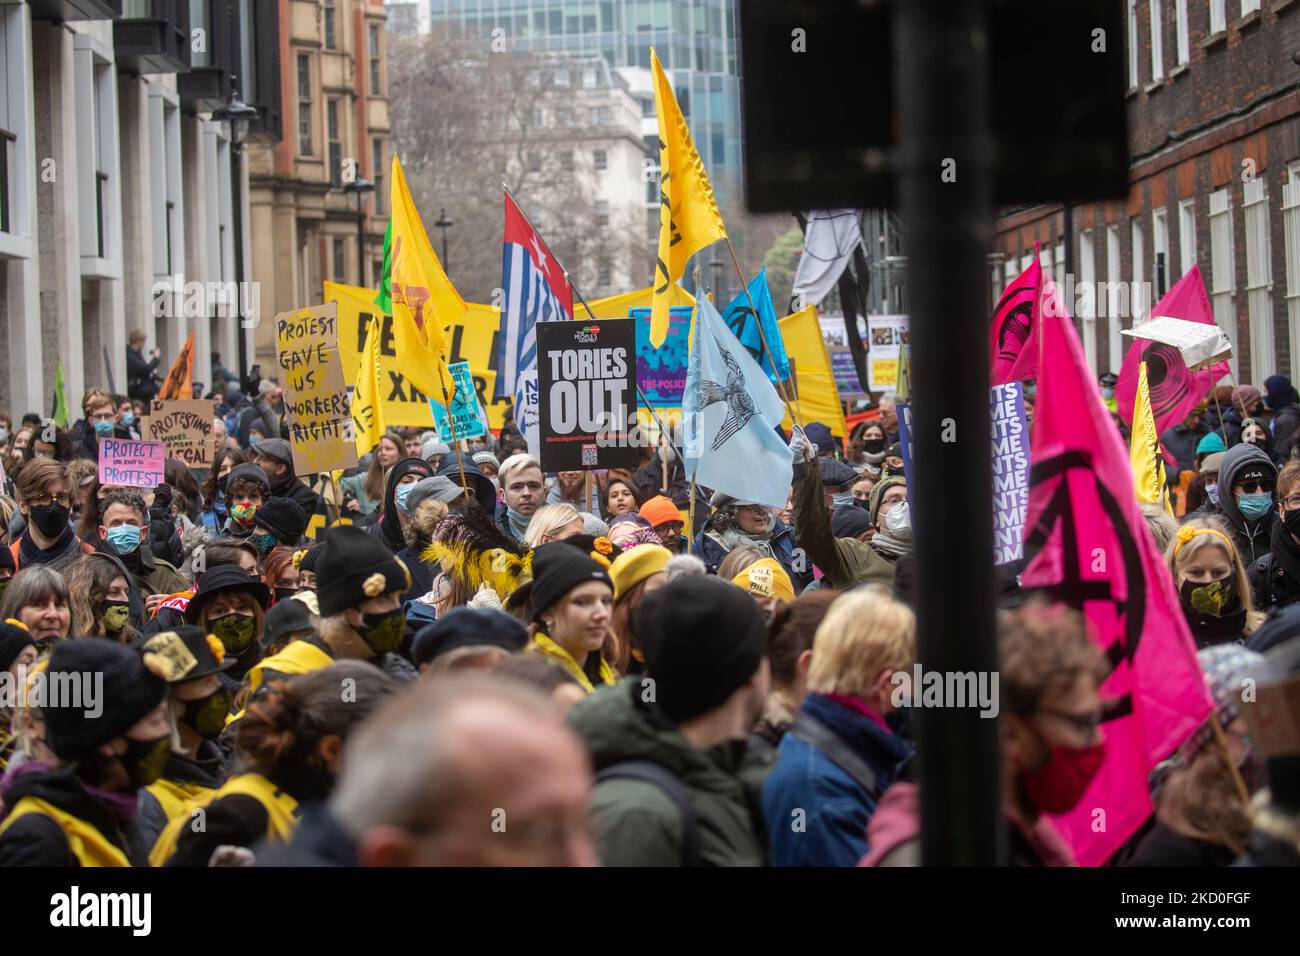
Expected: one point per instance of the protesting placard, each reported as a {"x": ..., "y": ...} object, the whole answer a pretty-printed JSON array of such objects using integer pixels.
[
  {"x": 586, "y": 382},
  {"x": 885, "y": 333},
  {"x": 661, "y": 372},
  {"x": 315, "y": 394},
  {"x": 185, "y": 427},
  {"x": 465, "y": 414},
  {"x": 133, "y": 464}
]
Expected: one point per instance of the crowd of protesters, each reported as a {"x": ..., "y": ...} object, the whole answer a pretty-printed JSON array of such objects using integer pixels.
[{"x": 623, "y": 674}]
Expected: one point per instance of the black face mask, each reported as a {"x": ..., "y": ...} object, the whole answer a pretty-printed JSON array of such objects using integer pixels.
[
  {"x": 1291, "y": 523},
  {"x": 145, "y": 760},
  {"x": 382, "y": 632},
  {"x": 1213, "y": 611},
  {"x": 873, "y": 445},
  {"x": 50, "y": 520},
  {"x": 284, "y": 594},
  {"x": 207, "y": 715}
]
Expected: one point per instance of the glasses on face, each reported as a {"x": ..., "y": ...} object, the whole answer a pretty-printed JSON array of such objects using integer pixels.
[
  {"x": 1292, "y": 503},
  {"x": 44, "y": 501},
  {"x": 1087, "y": 724},
  {"x": 1254, "y": 486}
]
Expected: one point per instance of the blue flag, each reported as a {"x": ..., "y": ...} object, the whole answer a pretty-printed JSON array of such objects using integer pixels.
[
  {"x": 744, "y": 326},
  {"x": 730, "y": 412}
]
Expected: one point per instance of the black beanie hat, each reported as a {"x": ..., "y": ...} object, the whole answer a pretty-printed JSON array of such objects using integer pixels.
[
  {"x": 118, "y": 691},
  {"x": 468, "y": 627},
  {"x": 285, "y": 618},
  {"x": 183, "y": 654},
  {"x": 7, "y": 560},
  {"x": 249, "y": 472},
  {"x": 849, "y": 521},
  {"x": 225, "y": 577},
  {"x": 308, "y": 562},
  {"x": 354, "y": 568},
  {"x": 558, "y": 568},
  {"x": 702, "y": 639},
  {"x": 13, "y": 638},
  {"x": 283, "y": 517}
]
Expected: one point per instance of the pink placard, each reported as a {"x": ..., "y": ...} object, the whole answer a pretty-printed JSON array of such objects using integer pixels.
[{"x": 134, "y": 464}]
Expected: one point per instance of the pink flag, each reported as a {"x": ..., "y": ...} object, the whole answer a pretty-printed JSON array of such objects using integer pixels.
[
  {"x": 1087, "y": 545},
  {"x": 1013, "y": 342},
  {"x": 1174, "y": 390}
]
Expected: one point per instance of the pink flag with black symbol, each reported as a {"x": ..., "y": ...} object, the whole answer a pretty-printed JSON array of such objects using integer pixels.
[
  {"x": 1013, "y": 340},
  {"x": 1087, "y": 545}
]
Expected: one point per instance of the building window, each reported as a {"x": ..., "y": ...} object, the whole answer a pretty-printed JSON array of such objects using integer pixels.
[
  {"x": 1291, "y": 235},
  {"x": 376, "y": 88},
  {"x": 566, "y": 161},
  {"x": 1009, "y": 271},
  {"x": 165, "y": 180},
  {"x": 330, "y": 38},
  {"x": 304, "y": 104},
  {"x": 1222, "y": 268},
  {"x": 600, "y": 116},
  {"x": 379, "y": 168},
  {"x": 1157, "y": 42},
  {"x": 335, "y": 142},
  {"x": 604, "y": 272},
  {"x": 538, "y": 118},
  {"x": 602, "y": 212},
  {"x": 1186, "y": 236},
  {"x": 563, "y": 118},
  {"x": 1116, "y": 301},
  {"x": 17, "y": 155},
  {"x": 1088, "y": 312},
  {"x": 1249, "y": 6},
  {"x": 600, "y": 159},
  {"x": 589, "y": 79},
  {"x": 560, "y": 79},
  {"x": 1259, "y": 279},
  {"x": 534, "y": 162},
  {"x": 1138, "y": 295},
  {"x": 1160, "y": 249},
  {"x": 248, "y": 54},
  {"x": 1184, "y": 46},
  {"x": 97, "y": 129},
  {"x": 1218, "y": 16},
  {"x": 1132, "y": 43},
  {"x": 340, "y": 261}
]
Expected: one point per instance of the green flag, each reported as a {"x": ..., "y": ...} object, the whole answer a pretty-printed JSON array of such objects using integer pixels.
[
  {"x": 385, "y": 298},
  {"x": 904, "y": 386},
  {"x": 60, "y": 413}
]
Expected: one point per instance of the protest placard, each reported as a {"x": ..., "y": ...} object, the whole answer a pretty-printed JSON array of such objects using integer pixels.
[
  {"x": 315, "y": 393},
  {"x": 129, "y": 463},
  {"x": 661, "y": 372},
  {"x": 587, "y": 387},
  {"x": 185, "y": 427},
  {"x": 465, "y": 414},
  {"x": 885, "y": 333}
]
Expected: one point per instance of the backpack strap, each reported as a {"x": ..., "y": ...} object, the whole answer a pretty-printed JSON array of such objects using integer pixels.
[
  {"x": 653, "y": 773},
  {"x": 817, "y": 734}
]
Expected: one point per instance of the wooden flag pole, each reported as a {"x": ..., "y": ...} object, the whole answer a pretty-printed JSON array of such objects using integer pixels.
[
  {"x": 780, "y": 386},
  {"x": 1232, "y": 767},
  {"x": 691, "y": 517},
  {"x": 455, "y": 440}
]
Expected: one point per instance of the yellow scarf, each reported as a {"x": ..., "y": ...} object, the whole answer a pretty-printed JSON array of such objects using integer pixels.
[{"x": 544, "y": 645}]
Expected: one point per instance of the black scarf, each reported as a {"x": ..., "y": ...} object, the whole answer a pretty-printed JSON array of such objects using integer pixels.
[
  {"x": 1286, "y": 553},
  {"x": 30, "y": 553}
]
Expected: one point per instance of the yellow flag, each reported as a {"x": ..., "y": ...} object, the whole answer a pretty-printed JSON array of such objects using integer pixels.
[
  {"x": 424, "y": 300},
  {"x": 903, "y": 389},
  {"x": 688, "y": 214},
  {"x": 819, "y": 399},
  {"x": 1144, "y": 449},
  {"x": 367, "y": 409}
]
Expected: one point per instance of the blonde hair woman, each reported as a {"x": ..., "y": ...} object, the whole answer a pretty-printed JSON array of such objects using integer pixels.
[
  {"x": 1211, "y": 581},
  {"x": 840, "y": 753},
  {"x": 553, "y": 523}
]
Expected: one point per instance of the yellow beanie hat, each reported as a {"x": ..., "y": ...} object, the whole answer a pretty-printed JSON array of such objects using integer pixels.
[
  {"x": 766, "y": 579},
  {"x": 635, "y": 565}
]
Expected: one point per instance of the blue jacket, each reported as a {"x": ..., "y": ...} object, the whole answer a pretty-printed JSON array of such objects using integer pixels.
[
  {"x": 711, "y": 552},
  {"x": 832, "y": 828}
]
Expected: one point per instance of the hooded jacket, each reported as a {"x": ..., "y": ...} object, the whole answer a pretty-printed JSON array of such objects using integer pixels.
[
  {"x": 53, "y": 821},
  {"x": 139, "y": 618},
  {"x": 1254, "y": 539},
  {"x": 389, "y": 528},
  {"x": 151, "y": 574},
  {"x": 638, "y": 824},
  {"x": 845, "y": 562}
]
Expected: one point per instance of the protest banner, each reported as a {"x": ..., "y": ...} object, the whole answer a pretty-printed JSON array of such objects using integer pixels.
[
  {"x": 315, "y": 393},
  {"x": 132, "y": 464},
  {"x": 1010, "y": 436},
  {"x": 586, "y": 384},
  {"x": 185, "y": 427},
  {"x": 464, "y": 408},
  {"x": 661, "y": 372},
  {"x": 846, "y": 375},
  {"x": 885, "y": 333}
]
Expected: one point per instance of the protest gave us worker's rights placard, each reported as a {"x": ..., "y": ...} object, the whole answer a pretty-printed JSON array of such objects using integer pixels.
[{"x": 315, "y": 394}]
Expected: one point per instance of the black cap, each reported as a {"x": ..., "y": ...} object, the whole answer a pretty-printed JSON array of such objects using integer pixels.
[
  {"x": 225, "y": 577},
  {"x": 558, "y": 568},
  {"x": 354, "y": 568},
  {"x": 467, "y": 627},
  {"x": 276, "y": 448},
  {"x": 13, "y": 638},
  {"x": 485, "y": 493},
  {"x": 282, "y": 517},
  {"x": 117, "y": 691},
  {"x": 286, "y": 618},
  {"x": 820, "y": 436},
  {"x": 849, "y": 521},
  {"x": 183, "y": 654}
]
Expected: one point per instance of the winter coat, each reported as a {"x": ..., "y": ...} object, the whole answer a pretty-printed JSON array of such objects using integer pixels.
[
  {"x": 638, "y": 823},
  {"x": 710, "y": 549},
  {"x": 835, "y": 806},
  {"x": 1253, "y": 537},
  {"x": 845, "y": 562},
  {"x": 151, "y": 574},
  {"x": 59, "y": 556},
  {"x": 53, "y": 820},
  {"x": 1165, "y": 847},
  {"x": 183, "y": 779},
  {"x": 1275, "y": 578},
  {"x": 319, "y": 840},
  {"x": 140, "y": 384},
  {"x": 1180, "y": 441},
  {"x": 1286, "y": 430},
  {"x": 312, "y": 504}
]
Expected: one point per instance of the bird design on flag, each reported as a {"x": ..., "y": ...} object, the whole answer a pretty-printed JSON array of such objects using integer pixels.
[{"x": 740, "y": 407}]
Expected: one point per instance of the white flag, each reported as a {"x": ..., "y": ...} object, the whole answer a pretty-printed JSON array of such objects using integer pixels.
[{"x": 828, "y": 244}]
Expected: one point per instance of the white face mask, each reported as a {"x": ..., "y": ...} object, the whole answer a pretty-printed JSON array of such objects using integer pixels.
[{"x": 899, "y": 522}]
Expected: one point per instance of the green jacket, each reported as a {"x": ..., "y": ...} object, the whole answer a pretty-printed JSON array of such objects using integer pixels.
[
  {"x": 845, "y": 562},
  {"x": 637, "y": 824}
]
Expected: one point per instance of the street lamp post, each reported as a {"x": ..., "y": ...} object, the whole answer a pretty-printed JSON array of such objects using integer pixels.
[
  {"x": 240, "y": 115},
  {"x": 444, "y": 224},
  {"x": 360, "y": 186}
]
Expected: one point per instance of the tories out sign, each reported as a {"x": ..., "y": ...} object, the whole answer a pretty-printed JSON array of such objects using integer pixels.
[{"x": 586, "y": 383}]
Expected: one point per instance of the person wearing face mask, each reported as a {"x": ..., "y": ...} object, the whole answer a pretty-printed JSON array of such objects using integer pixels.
[
  {"x": 840, "y": 754},
  {"x": 246, "y": 488},
  {"x": 231, "y": 604},
  {"x": 1275, "y": 578},
  {"x": 871, "y": 441},
  {"x": 1203, "y": 491},
  {"x": 45, "y": 501},
  {"x": 1247, "y": 479},
  {"x": 1052, "y": 741},
  {"x": 390, "y": 527},
  {"x": 17, "y": 655},
  {"x": 571, "y": 600},
  {"x": 76, "y": 811},
  {"x": 100, "y": 421},
  {"x": 280, "y": 574},
  {"x": 124, "y": 529},
  {"x": 279, "y": 522},
  {"x": 736, "y": 522},
  {"x": 275, "y": 456},
  {"x": 215, "y": 510},
  {"x": 1254, "y": 431},
  {"x": 7, "y": 570},
  {"x": 289, "y": 744},
  {"x": 838, "y": 480},
  {"x": 1212, "y": 585},
  {"x": 190, "y": 662},
  {"x": 1201, "y": 817},
  {"x": 423, "y": 505},
  {"x": 126, "y": 417},
  {"x": 1108, "y": 381},
  {"x": 103, "y": 601}
]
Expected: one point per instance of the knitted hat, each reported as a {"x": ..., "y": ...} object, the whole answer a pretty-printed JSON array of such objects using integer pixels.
[
  {"x": 702, "y": 638},
  {"x": 434, "y": 447},
  {"x": 183, "y": 654},
  {"x": 250, "y": 472},
  {"x": 308, "y": 562},
  {"x": 1245, "y": 397},
  {"x": 766, "y": 579},
  {"x": 593, "y": 525},
  {"x": 117, "y": 691},
  {"x": 660, "y": 510},
  {"x": 464, "y": 627},
  {"x": 630, "y": 516},
  {"x": 282, "y": 517},
  {"x": 1210, "y": 443},
  {"x": 835, "y": 473},
  {"x": 355, "y": 568},
  {"x": 13, "y": 638},
  {"x": 849, "y": 521},
  {"x": 558, "y": 568},
  {"x": 276, "y": 448},
  {"x": 819, "y": 435},
  {"x": 878, "y": 492},
  {"x": 225, "y": 577},
  {"x": 1211, "y": 464},
  {"x": 486, "y": 458},
  {"x": 1280, "y": 391},
  {"x": 286, "y": 618},
  {"x": 632, "y": 567}
]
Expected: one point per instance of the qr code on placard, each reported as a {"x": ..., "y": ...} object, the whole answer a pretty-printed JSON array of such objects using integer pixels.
[{"x": 589, "y": 456}]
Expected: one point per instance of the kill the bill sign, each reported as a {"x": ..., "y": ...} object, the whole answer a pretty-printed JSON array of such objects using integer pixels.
[{"x": 587, "y": 383}]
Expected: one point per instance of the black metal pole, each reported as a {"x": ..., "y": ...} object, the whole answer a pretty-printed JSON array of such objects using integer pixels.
[
  {"x": 237, "y": 223},
  {"x": 942, "y": 80},
  {"x": 361, "y": 244}
]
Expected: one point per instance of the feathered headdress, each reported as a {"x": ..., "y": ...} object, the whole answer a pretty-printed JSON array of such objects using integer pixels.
[{"x": 472, "y": 550}]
